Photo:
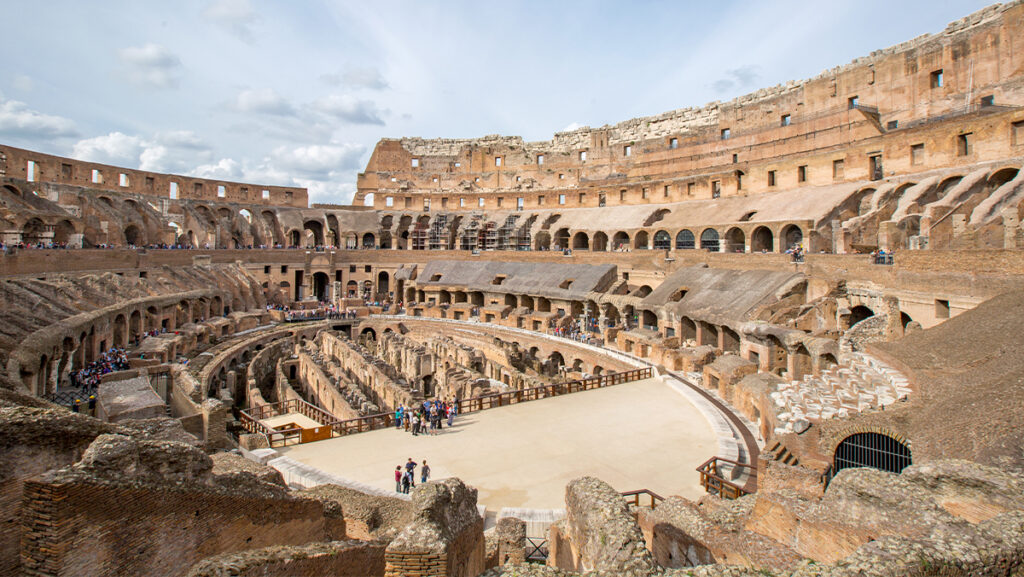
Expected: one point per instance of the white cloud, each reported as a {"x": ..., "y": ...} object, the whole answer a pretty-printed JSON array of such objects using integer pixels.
[
  {"x": 223, "y": 169},
  {"x": 236, "y": 16},
  {"x": 572, "y": 126},
  {"x": 263, "y": 101},
  {"x": 24, "y": 83},
  {"x": 737, "y": 79},
  {"x": 18, "y": 121},
  {"x": 114, "y": 148},
  {"x": 176, "y": 152},
  {"x": 318, "y": 161},
  {"x": 151, "y": 65},
  {"x": 349, "y": 109}
]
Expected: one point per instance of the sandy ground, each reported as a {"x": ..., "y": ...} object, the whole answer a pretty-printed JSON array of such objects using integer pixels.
[{"x": 636, "y": 435}]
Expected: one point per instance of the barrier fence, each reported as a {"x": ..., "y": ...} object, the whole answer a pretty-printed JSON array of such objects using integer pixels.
[
  {"x": 252, "y": 418},
  {"x": 713, "y": 480}
]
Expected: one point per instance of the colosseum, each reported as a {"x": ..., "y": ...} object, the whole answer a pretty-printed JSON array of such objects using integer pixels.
[{"x": 779, "y": 335}]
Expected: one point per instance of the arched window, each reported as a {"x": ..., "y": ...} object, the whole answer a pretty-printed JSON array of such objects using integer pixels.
[
  {"x": 685, "y": 240},
  {"x": 662, "y": 240},
  {"x": 709, "y": 240}
]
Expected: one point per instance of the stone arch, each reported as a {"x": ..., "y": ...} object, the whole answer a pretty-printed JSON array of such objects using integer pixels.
[
  {"x": 600, "y": 242},
  {"x": 321, "y": 282},
  {"x": 731, "y": 340},
  {"x": 641, "y": 240},
  {"x": 561, "y": 239},
  {"x": 662, "y": 240},
  {"x": 542, "y": 241},
  {"x": 649, "y": 320},
  {"x": 859, "y": 313},
  {"x": 802, "y": 363},
  {"x": 762, "y": 240},
  {"x": 685, "y": 240},
  {"x": 133, "y": 235},
  {"x": 63, "y": 231},
  {"x": 791, "y": 236},
  {"x": 369, "y": 241},
  {"x": 620, "y": 241},
  {"x": 709, "y": 240},
  {"x": 872, "y": 447},
  {"x": 314, "y": 232},
  {"x": 580, "y": 241},
  {"x": 641, "y": 291},
  {"x": 383, "y": 285},
  {"x": 1002, "y": 176},
  {"x": 735, "y": 240},
  {"x": 687, "y": 329},
  {"x": 33, "y": 231},
  {"x": 9, "y": 188}
]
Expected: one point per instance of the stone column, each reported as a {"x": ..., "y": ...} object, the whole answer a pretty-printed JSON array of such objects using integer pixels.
[
  {"x": 511, "y": 541},
  {"x": 1011, "y": 224}
]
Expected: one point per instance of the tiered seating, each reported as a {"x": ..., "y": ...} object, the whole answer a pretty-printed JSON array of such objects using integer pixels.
[{"x": 861, "y": 383}]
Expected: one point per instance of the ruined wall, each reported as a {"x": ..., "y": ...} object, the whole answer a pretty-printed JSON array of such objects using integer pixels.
[
  {"x": 74, "y": 518},
  {"x": 336, "y": 558}
]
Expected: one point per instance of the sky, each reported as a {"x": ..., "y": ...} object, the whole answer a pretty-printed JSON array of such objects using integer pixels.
[{"x": 298, "y": 93}]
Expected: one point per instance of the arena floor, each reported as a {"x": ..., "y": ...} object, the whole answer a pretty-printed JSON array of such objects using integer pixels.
[{"x": 636, "y": 435}]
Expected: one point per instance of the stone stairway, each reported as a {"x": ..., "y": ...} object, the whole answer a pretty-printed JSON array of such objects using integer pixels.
[{"x": 860, "y": 383}]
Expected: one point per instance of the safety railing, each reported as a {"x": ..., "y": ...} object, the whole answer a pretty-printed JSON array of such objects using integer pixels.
[
  {"x": 713, "y": 481},
  {"x": 633, "y": 497},
  {"x": 251, "y": 418}
]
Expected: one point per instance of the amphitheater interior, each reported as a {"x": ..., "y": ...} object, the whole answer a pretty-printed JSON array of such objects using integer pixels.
[{"x": 830, "y": 271}]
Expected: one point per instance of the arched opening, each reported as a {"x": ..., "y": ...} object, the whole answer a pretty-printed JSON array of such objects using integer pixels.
[
  {"x": 320, "y": 283},
  {"x": 445, "y": 298},
  {"x": 33, "y": 232},
  {"x": 905, "y": 320},
  {"x": 132, "y": 235},
  {"x": 383, "y": 285},
  {"x": 859, "y": 313},
  {"x": 63, "y": 231},
  {"x": 294, "y": 238},
  {"x": 762, "y": 240},
  {"x": 709, "y": 240},
  {"x": 873, "y": 450},
  {"x": 735, "y": 240},
  {"x": 731, "y": 340},
  {"x": 640, "y": 242},
  {"x": 369, "y": 332},
  {"x": 369, "y": 241},
  {"x": 650, "y": 321},
  {"x": 600, "y": 242},
  {"x": 620, "y": 241},
  {"x": 662, "y": 240},
  {"x": 526, "y": 301},
  {"x": 562, "y": 239},
  {"x": 827, "y": 361},
  {"x": 314, "y": 230},
  {"x": 1001, "y": 177},
  {"x": 580, "y": 241},
  {"x": 542, "y": 241},
  {"x": 352, "y": 289},
  {"x": 543, "y": 305},
  {"x": 685, "y": 240},
  {"x": 792, "y": 236},
  {"x": 641, "y": 291},
  {"x": 687, "y": 329},
  {"x": 555, "y": 360}
]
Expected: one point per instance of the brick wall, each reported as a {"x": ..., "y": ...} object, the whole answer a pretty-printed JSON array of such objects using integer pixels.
[
  {"x": 79, "y": 529},
  {"x": 334, "y": 559}
]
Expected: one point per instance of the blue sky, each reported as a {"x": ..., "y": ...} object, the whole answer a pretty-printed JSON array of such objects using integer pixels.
[{"x": 299, "y": 92}]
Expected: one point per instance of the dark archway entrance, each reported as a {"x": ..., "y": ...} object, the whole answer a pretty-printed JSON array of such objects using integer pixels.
[
  {"x": 320, "y": 283},
  {"x": 873, "y": 450}
]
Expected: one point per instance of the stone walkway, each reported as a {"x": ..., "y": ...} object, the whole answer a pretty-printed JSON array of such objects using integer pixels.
[{"x": 636, "y": 435}]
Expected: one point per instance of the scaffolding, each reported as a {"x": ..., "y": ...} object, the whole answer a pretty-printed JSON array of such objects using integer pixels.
[
  {"x": 420, "y": 234},
  {"x": 439, "y": 233},
  {"x": 506, "y": 232},
  {"x": 523, "y": 238},
  {"x": 488, "y": 237},
  {"x": 470, "y": 236}
]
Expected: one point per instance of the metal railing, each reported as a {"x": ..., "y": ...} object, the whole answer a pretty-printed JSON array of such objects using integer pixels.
[
  {"x": 536, "y": 550},
  {"x": 633, "y": 497},
  {"x": 251, "y": 418},
  {"x": 713, "y": 482}
]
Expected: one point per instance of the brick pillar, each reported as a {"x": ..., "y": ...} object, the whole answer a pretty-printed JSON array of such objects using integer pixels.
[{"x": 511, "y": 541}]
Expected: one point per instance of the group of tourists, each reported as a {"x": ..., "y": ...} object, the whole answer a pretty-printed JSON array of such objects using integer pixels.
[
  {"x": 426, "y": 419},
  {"x": 34, "y": 245},
  {"x": 405, "y": 480},
  {"x": 89, "y": 376}
]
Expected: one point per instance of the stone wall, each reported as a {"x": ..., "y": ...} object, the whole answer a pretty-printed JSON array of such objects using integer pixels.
[{"x": 335, "y": 558}]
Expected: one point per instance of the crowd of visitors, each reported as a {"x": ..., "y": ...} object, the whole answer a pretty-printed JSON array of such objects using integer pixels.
[
  {"x": 426, "y": 419},
  {"x": 87, "y": 379}
]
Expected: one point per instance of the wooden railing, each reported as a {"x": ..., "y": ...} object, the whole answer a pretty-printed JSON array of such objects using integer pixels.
[
  {"x": 713, "y": 481},
  {"x": 633, "y": 497},
  {"x": 512, "y": 397},
  {"x": 251, "y": 418}
]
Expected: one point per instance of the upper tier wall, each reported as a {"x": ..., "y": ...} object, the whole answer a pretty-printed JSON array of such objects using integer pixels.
[
  {"x": 972, "y": 65},
  {"x": 46, "y": 168}
]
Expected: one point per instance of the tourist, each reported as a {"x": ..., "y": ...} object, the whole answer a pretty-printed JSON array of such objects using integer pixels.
[
  {"x": 77, "y": 406},
  {"x": 398, "y": 479},
  {"x": 398, "y": 417},
  {"x": 424, "y": 472},
  {"x": 410, "y": 468},
  {"x": 416, "y": 424},
  {"x": 451, "y": 412},
  {"x": 407, "y": 482}
]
